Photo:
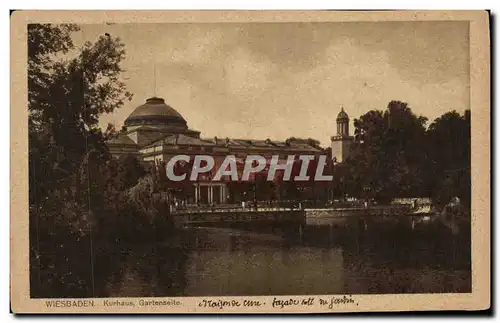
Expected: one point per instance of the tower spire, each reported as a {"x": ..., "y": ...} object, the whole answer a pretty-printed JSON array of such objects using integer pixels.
[
  {"x": 341, "y": 142},
  {"x": 342, "y": 123}
]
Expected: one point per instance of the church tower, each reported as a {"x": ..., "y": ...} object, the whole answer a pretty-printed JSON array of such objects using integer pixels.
[{"x": 341, "y": 142}]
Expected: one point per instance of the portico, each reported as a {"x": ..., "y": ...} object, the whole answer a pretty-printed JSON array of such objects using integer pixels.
[{"x": 210, "y": 193}]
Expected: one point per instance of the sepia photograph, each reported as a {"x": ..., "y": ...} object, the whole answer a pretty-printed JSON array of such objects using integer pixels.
[{"x": 250, "y": 163}]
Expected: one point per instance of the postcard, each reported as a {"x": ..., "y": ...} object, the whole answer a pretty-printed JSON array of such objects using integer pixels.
[{"x": 250, "y": 161}]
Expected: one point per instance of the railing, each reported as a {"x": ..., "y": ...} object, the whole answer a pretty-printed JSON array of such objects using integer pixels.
[
  {"x": 241, "y": 215},
  {"x": 390, "y": 209},
  {"x": 229, "y": 210}
]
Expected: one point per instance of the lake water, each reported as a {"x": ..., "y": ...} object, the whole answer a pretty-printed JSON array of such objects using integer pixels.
[{"x": 314, "y": 260}]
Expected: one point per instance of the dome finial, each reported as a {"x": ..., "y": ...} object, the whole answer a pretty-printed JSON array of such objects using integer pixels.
[{"x": 342, "y": 114}]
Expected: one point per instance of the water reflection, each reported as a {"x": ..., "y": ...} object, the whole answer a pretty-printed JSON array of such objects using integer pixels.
[
  {"x": 149, "y": 271},
  {"x": 273, "y": 261}
]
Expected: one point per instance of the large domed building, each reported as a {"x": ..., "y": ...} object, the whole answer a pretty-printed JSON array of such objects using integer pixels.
[
  {"x": 148, "y": 123},
  {"x": 155, "y": 132}
]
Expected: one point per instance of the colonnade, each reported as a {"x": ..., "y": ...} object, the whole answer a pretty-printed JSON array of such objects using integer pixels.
[{"x": 211, "y": 190}]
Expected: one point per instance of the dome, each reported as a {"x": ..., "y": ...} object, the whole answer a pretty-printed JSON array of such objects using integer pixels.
[
  {"x": 156, "y": 112},
  {"x": 342, "y": 115}
]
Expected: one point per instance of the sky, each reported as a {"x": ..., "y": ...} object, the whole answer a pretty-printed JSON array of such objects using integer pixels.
[{"x": 277, "y": 80}]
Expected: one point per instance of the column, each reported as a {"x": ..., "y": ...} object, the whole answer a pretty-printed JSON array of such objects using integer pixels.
[
  {"x": 222, "y": 193},
  {"x": 196, "y": 194},
  {"x": 210, "y": 194}
]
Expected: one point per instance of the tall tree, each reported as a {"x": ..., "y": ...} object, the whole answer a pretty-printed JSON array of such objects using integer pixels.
[
  {"x": 449, "y": 175},
  {"x": 68, "y": 89},
  {"x": 71, "y": 172},
  {"x": 387, "y": 155}
]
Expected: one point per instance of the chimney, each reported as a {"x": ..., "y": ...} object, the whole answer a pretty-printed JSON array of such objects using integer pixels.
[{"x": 215, "y": 140}]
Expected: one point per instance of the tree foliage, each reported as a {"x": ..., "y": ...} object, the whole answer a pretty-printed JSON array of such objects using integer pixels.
[
  {"x": 449, "y": 171},
  {"x": 68, "y": 89},
  {"x": 77, "y": 191},
  {"x": 387, "y": 154},
  {"x": 394, "y": 155}
]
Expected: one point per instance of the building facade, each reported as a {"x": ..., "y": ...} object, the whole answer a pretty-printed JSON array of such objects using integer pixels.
[{"x": 155, "y": 132}]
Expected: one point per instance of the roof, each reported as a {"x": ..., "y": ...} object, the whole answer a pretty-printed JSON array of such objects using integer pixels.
[
  {"x": 181, "y": 139},
  {"x": 155, "y": 111},
  {"x": 250, "y": 144},
  {"x": 342, "y": 115},
  {"x": 123, "y": 140},
  {"x": 295, "y": 144}
]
